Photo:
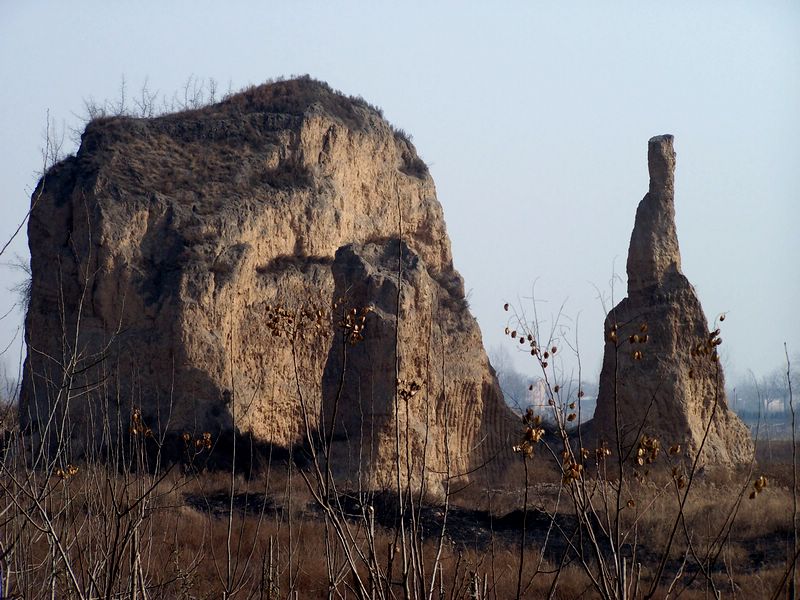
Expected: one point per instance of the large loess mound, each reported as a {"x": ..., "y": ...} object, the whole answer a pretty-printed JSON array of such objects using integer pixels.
[
  {"x": 661, "y": 375},
  {"x": 217, "y": 269}
]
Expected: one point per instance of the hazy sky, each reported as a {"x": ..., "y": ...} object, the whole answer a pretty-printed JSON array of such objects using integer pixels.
[{"x": 534, "y": 119}]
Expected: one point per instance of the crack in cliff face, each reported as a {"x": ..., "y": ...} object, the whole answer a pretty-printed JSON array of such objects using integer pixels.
[{"x": 661, "y": 374}]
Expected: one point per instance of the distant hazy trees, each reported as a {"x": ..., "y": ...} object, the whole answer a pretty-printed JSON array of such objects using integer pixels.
[
  {"x": 513, "y": 383},
  {"x": 767, "y": 395}
]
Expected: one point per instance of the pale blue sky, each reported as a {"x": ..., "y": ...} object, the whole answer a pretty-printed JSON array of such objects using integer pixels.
[{"x": 534, "y": 119}]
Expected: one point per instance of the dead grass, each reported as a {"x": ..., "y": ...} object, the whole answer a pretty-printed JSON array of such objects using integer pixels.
[
  {"x": 185, "y": 542},
  {"x": 202, "y": 533}
]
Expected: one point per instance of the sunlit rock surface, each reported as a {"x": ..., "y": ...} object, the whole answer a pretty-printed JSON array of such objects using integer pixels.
[
  {"x": 661, "y": 376},
  {"x": 189, "y": 265}
]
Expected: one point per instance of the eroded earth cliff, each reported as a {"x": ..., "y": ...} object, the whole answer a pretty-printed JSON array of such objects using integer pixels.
[{"x": 211, "y": 268}]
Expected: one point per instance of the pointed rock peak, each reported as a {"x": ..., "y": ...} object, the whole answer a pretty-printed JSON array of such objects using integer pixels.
[
  {"x": 663, "y": 388},
  {"x": 661, "y": 162},
  {"x": 653, "y": 253}
]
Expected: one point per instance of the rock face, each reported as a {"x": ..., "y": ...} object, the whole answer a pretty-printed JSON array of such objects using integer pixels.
[
  {"x": 661, "y": 376},
  {"x": 212, "y": 269}
]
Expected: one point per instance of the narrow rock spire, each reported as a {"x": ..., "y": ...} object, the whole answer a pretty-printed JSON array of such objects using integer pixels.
[
  {"x": 654, "y": 251},
  {"x": 661, "y": 375}
]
